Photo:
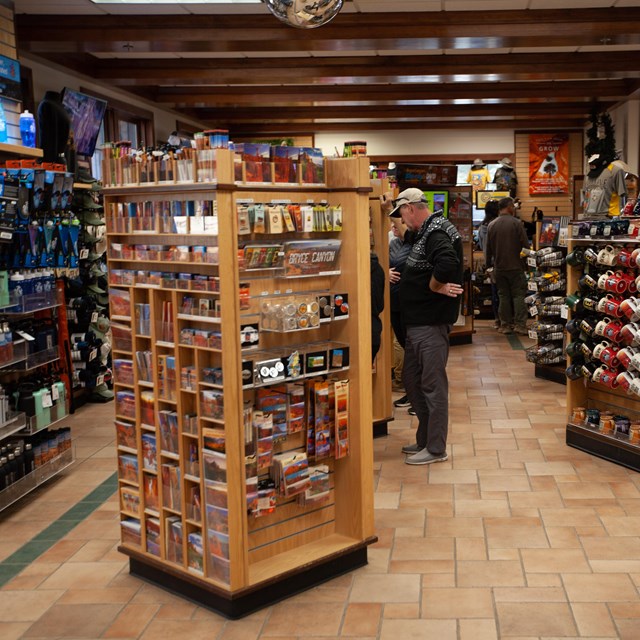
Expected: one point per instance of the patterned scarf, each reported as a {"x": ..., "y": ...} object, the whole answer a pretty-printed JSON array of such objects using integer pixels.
[{"x": 435, "y": 222}]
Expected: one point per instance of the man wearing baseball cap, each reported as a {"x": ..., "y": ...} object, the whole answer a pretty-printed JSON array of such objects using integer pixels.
[{"x": 430, "y": 289}]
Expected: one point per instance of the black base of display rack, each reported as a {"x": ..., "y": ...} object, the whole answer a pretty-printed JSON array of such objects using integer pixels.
[
  {"x": 461, "y": 338},
  {"x": 551, "y": 373},
  {"x": 380, "y": 428},
  {"x": 603, "y": 446},
  {"x": 242, "y": 603}
]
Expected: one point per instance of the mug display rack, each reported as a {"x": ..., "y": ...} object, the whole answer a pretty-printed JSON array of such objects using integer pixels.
[
  {"x": 603, "y": 341},
  {"x": 243, "y": 400}
]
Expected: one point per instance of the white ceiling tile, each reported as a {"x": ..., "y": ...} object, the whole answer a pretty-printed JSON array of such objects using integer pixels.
[
  {"x": 570, "y": 4},
  {"x": 485, "y": 5}
]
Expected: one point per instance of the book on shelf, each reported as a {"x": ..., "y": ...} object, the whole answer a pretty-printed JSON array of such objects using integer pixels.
[
  {"x": 126, "y": 434},
  {"x": 130, "y": 500},
  {"x": 195, "y": 556},
  {"x": 168, "y": 425},
  {"x": 128, "y": 467},
  {"x": 174, "y": 537},
  {"x": 149, "y": 452},
  {"x": 150, "y": 488},
  {"x": 171, "y": 496},
  {"x": 152, "y": 529}
]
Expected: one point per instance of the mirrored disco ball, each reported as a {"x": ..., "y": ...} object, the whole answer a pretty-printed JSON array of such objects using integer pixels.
[{"x": 305, "y": 14}]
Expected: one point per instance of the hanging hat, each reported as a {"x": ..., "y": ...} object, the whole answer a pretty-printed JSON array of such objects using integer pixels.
[
  {"x": 506, "y": 162},
  {"x": 478, "y": 162}
]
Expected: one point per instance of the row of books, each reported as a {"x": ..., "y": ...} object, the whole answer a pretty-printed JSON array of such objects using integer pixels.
[{"x": 280, "y": 218}]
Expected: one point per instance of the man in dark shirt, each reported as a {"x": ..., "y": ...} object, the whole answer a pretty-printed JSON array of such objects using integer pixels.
[
  {"x": 506, "y": 237},
  {"x": 430, "y": 298}
]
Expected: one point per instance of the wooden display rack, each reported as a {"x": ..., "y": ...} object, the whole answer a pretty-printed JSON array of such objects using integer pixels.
[
  {"x": 296, "y": 546},
  {"x": 588, "y": 394}
]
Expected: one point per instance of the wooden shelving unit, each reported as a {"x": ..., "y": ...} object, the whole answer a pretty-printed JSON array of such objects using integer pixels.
[
  {"x": 17, "y": 150},
  {"x": 297, "y": 545}
]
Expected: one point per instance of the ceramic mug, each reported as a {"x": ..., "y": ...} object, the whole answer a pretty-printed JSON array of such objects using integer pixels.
[
  {"x": 608, "y": 328},
  {"x": 624, "y": 380},
  {"x": 632, "y": 287},
  {"x": 608, "y": 256},
  {"x": 629, "y": 334},
  {"x": 587, "y": 282},
  {"x": 625, "y": 258},
  {"x": 612, "y": 282},
  {"x": 610, "y": 304},
  {"x": 606, "y": 353},
  {"x": 576, "y": 257},
  {"x": 630, "y": 308},
  {"x": 590, "y": 256},
  {"x": 625, "y": 355}
]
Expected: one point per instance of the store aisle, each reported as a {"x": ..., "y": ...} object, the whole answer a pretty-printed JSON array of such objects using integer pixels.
[{"x": 515, "y": 536}]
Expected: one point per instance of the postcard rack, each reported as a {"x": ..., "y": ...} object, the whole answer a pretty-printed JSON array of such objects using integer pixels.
[{"x": 243, "y": 395}]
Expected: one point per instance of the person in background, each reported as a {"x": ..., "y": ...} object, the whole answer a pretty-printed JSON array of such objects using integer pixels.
[
  {"x": 377, "y": 304},
  {"x": 430, "y": 290},
  {"x": 506, "y": 237},
  {"x": 399, "y": 248},
  {"x": 490, "y": 214}
]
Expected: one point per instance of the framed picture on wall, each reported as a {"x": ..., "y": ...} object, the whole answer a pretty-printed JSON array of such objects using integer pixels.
[{"x": 482, "y": 197}]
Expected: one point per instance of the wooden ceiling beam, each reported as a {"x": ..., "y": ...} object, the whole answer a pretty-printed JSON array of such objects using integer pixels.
[
  {"x": 349, "y": 31},
  {"x": 548, "y": 91}
]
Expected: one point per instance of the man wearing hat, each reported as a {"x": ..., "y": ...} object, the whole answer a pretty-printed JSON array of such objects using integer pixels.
[
  {"x": 430, "y": 302},
  {"x": 505, "y": 177},
  {"x": 478, "y": 176}
]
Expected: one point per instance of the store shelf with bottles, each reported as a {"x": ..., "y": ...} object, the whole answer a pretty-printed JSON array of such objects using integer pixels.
[
  {"x": 8, "y": 150},
  {"x": 603, "y": 385},
  {"x": 195, "y": 424}
]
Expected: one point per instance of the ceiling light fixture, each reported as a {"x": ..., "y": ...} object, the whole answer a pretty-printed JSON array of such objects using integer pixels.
[{"x": 305, "y": 14}]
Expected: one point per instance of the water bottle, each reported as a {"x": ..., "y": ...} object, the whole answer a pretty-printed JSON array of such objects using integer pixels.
[
  {"x": 3, "y": 124},
  {"x": 28, "y": 129}
]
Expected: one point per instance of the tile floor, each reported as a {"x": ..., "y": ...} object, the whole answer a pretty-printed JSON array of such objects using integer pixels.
[{"x": 516, "y": 536}]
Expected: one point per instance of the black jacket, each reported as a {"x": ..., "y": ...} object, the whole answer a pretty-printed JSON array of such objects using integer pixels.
[{"x": 377, "y": 298}]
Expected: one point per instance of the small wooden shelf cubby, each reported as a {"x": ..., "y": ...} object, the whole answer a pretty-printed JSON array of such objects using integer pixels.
[{"x": 185, "y": 304}]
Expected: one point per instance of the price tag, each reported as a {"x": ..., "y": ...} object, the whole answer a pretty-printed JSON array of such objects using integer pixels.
[
  {"x": 288, "y": 290},
  {"x": 532, "y": 286},
  {"x": 84, "y": 254},
  {"x": 93, "y": 354},
  {"x": 276, "y": 292},
  {"x": 100, "y": 380},
  {"x": 564, "y": 311},
  {"x": 94, "y": 316},
  {"x": 533, "y": 311},
  {"x": 531, "y": 262},
  {"x": 6, "y": 235},
  {"x": 55, "y": 394},
  {"x": 533, "y": 335},
  {"x": 607, "y": 230},
  {"x": 47, "y": 401},
  {"x": 264, "y": 293}
]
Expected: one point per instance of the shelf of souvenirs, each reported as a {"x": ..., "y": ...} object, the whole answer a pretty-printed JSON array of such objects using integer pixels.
[{"x": 34, "y": 479}]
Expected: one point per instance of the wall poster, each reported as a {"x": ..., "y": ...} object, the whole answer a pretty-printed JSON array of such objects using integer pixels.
[{"x": 548, "y": 163}]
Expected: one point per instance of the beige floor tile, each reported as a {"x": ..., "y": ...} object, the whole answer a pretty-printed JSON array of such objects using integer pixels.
[
  {"x": 570, "y": 517},
  {"x": 423, "y": 549},
  {"x": 362, "y": 619},
  {"x": 394, "y": 629},
  {"x": 440, "y": 527},
  {"x": 421, "y": 566},
  {"x": 83, "y": 575},
  {"x": 438, "y": 580},
  {"x": 385, "y": 588},
  {"x": 549, "y": 468},
  {"x": 563, "y": 537},
  {"x": 470, "y": 549},
  {"x": 393, "y": 518},
  {"x": 292, "y": 618},
  {"x": 503, "y": 554},
  {"x": 599, "y": 548},
  {"x": 600, "y": 587},
  {"x": 554, "y": 560},
  {"x": 502, "y": 573},
  {"x": 508, "y": 483},
  {"x": 452, "y": 476},
  {"x": 482, "y": 508},
  {"x": 244, "y": 629},
  {"x": 191, "y": 629},
  {"x": 131, "y": 621},
  {"x": 402, "y": 610},
  {"x": 530, "y": 594},
  {"x": 387, "y": 500},
  {"x": 540, "y": 618},
  {"x": 24, "y": 606},
  {"x": 627, "y": 629},
  {"x": 524, "y": 532},
  {"x": 74, "y": 621},
  {"x": 593, "y": 619},
  {"x": 13, "y": 630},
  {"x": 457, "y": 603},
  {"x": 621, "y": 526},
  {"x": 478, "y": 629},
  {"x": 108, "y": 595}
]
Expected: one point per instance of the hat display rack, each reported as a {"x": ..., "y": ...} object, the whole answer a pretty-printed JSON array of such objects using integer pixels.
[{"x": 88, "y": 304}]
